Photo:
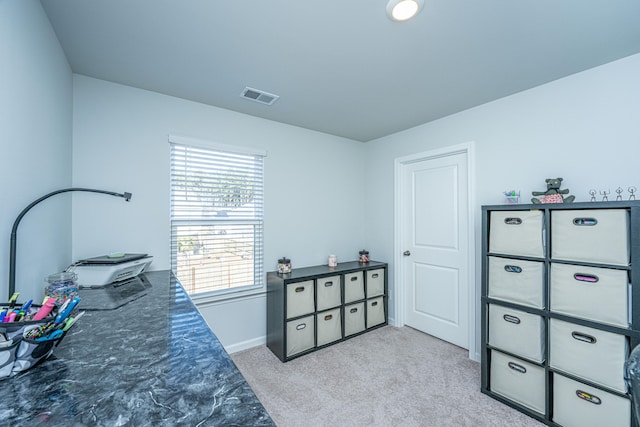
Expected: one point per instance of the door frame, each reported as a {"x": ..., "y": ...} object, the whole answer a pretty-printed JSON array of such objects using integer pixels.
[{"x": 400, "y": 163}]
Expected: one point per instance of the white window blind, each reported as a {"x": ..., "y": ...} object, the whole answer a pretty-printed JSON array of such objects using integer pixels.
[{"x": 217, "y": 202}]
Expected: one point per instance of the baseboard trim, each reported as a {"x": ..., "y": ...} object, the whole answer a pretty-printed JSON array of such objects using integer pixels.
[{"x": 255, "y": 342}]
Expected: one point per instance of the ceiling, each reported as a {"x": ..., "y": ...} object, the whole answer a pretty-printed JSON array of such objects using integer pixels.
[{"x": 341, "y": 66}]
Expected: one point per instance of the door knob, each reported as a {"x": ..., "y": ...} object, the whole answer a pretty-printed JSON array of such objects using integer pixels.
[{"x": 406, "y": 253}]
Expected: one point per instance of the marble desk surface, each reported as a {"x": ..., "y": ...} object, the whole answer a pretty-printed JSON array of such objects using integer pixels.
[{"x": 151, "y": 362}]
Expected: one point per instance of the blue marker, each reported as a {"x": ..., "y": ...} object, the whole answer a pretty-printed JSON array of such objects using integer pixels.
[
  {"x": 23, "y": 310},
  {"x": 64, "y": 313},
  {"x": 3, "y": 314},
  {"x": 26, "y": 305}
]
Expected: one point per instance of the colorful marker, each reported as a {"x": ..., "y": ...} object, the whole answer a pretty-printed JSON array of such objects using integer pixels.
[
  {"x": 72, "y": 320},
  {"x": 45, "y": 309},
  {"x": 64, "y": 313},
  {"x": 24, "y": 310},
  {"x": 13, "y": 299}
]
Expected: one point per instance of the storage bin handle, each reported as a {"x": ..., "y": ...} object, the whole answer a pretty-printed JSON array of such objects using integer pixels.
[
  {"x": 518, "y": 368},
  {"x": 588, "y": 397},
  {"x": 300, "y": 289},
  {"x": 374, "y": 275},
  {"x": 512, "y": 269},
  {"x": 353, "y": 310},
  {"x": 354, "y": 278},
  {"x": 328, "y": 317},
  {"x": 583, "y": 337},
  {"x": 301, "y": 326},
  {"x": 373, "y": 304},
  {"x": 513, "y": 221},
  {"x": 590, "y": 222},
  {"x": 511, "y": 319},
  {"x": 589, "y": 278},
  {"x": 329, "y": 283}
]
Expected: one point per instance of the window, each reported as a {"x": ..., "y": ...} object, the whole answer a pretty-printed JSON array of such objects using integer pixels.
[{"x": 216, "y": 217}]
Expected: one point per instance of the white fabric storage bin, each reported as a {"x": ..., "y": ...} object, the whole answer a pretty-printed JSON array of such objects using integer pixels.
[
  {"x": 329, "y": 326},
  {"x": 353, "y": 318},
  {"x": 517, "y": 332},
  {"x": 300, "y": 335},
  {"x": 375, "y": 282},
  {"x": 595, "y": 355},
  {"x": 375, "y": 311},
  {"x": 328, "y": 292},
  {"x": 353, "y": 287},
  {"x": 516, "y": 233},
  {"x": 594, "y": 235},
  {"x": 299, "y": 299},
  {"x": 517, "y": 380},
  {"x": 517, "y": 281},
  {"x": 579, "y": 405},
  {"x": 598, "y": 294}
]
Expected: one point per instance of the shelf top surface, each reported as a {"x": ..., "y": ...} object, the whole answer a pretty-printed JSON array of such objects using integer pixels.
[
  {"x": 577, "y": 205},
  {"x": 324, "y": 270}
]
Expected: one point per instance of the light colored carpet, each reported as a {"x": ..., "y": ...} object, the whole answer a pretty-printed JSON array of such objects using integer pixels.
[{"x": 387, "y": 377}]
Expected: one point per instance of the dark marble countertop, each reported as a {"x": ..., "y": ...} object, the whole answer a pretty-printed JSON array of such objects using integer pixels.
[{"x": 151, "y": 362}]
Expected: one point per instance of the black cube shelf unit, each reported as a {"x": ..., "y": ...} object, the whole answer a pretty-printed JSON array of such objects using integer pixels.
[
  {"x": 561, "y": 309},
  {"x": 314, "y": 307}
]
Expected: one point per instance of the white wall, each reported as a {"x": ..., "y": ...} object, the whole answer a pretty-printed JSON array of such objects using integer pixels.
[
  {"x": 583, "y": 128},
  {"x": 314, "y": 197},
  {"x": 36, "y": 117}
]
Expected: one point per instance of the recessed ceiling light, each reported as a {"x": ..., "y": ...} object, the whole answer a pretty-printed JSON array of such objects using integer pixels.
[{"x": 401, "y": 10}]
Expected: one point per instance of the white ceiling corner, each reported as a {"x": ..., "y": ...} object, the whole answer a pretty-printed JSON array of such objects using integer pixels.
[{"x": 342, "y": 67}]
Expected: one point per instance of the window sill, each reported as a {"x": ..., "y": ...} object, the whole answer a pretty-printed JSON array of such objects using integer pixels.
[{"x": 231, "y": 296}]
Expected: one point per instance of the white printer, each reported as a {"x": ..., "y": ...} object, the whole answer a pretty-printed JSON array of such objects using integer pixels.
[
  {"x": 111, "y": 281},
  {"x": 107, "y": 269}
]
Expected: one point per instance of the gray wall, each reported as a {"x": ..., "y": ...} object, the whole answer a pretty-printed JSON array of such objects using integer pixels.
[
  {"x": 314, "y": 197},
  {"x": 35, "y": 107},
  {"x": 583, "y": 128}
]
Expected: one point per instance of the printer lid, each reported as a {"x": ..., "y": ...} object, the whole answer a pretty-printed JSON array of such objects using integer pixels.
[{"x": 112, "y": 259}]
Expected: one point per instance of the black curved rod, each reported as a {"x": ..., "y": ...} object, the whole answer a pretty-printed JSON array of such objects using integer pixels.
[{"x": 14, "y": 230}]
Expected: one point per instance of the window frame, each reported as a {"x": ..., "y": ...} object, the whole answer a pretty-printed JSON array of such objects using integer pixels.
[{"x": 230, "y": 293}]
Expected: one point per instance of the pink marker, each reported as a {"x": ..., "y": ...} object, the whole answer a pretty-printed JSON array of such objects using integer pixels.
[
  {"x": 11, "y": 317},
  {"x": 45, "y": 309}
]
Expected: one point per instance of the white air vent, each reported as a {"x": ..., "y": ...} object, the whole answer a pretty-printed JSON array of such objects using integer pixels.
[{"x": 259, "y": 96}]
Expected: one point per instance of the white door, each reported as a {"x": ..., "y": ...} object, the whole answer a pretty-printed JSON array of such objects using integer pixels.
[{"x": 435, "y": 237}]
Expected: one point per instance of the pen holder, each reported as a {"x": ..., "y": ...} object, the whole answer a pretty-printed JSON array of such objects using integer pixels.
[
  {"x": 8, "y": 358},
  {"x": 24, "y": 353},
  {"x": 30, "y": 352},
  {"x": 18, "y": 353},
  {"x": 11, "y": 329}
]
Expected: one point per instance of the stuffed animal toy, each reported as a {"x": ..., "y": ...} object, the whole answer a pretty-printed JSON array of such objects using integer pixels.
[{"x": 553, "y": 193}]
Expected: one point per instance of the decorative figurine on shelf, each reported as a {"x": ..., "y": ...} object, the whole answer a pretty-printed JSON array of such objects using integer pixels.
[
  {"x": 553, "y": 193},
  {"x": 513, "y": 198}
]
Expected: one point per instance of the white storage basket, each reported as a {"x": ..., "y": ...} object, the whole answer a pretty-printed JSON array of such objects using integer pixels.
[{"x": 517, "y": 281}]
